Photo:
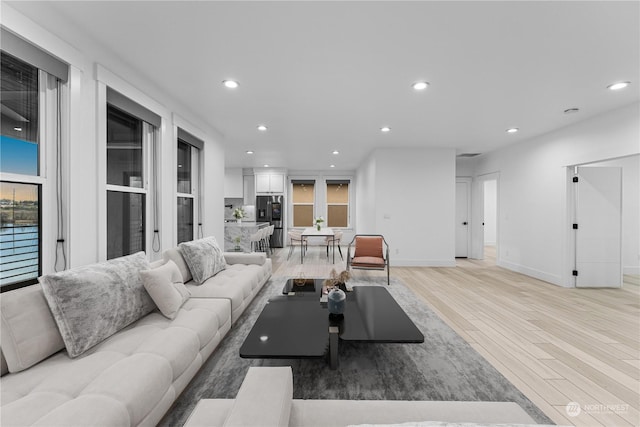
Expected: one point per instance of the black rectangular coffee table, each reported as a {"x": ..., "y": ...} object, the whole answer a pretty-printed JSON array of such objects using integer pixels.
[{"x": 297, "y": 325}]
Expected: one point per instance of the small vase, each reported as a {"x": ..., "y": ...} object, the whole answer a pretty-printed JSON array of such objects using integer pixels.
[
  {"x": 238, "y": 221},
  {"x": 318, "y": 227},
  {"x": 336, "y": 301}
]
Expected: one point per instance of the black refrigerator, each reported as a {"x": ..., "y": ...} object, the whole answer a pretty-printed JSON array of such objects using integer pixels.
[{"x": 271, "y": 209}]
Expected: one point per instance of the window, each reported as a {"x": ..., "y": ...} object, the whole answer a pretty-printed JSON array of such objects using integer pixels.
[
  {"x": 128, "y": 141},
  {"x": 188, "y": 210},
  {"x": 337, "y": 203},
  {"x": 20, "y": 189},
  {"x": 20, "y": 238},
  {"x": 303, "y": 200}
]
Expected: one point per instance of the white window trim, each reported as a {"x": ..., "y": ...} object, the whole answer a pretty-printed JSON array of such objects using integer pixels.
[{"x": 106, "y": 78}]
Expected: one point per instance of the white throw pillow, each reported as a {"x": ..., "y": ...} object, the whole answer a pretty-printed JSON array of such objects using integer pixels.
[{"x": 165, "y": 286}]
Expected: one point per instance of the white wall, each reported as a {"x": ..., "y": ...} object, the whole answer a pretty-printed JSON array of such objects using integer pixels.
[
  {"x": 85, "y": 127},
  {"x": 366, "y": 197},
  {"x": 533, "y": 220},
  {"x": 413, "y": 204}
]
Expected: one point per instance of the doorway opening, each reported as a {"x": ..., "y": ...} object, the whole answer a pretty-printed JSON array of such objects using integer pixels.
[
  {"x": 490, "y": 221},
  {"x": 604, "y": 212}
]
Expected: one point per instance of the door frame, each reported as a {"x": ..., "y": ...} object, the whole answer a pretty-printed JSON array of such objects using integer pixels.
[{"x": 478, "y": 234}]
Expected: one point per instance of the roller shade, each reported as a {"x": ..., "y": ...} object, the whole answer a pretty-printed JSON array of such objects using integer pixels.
[
  {"x": 190, "y": 139},
  {"x": 338, "y": 181},
  {"x": 123, "y": 103},
  {"x": 27, "y": 52},
  {"x": 303, "y": 181}
]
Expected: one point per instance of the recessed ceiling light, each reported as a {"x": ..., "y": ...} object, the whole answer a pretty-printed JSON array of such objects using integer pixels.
[
  {"x": 420, "y": 85},
  {"x": 335, "y": 152},
  {"x": 512, "y": 130},
  {"x": 618, "y": 85},
  {"x": 266, "y": 166},
  {"x": 17, "y": 129},
  {"x": 571, "y": 110},
  {"x": 231, "y": 84},
  {"x": 262, "y": 128},
  {"x": 249, "y": 151},
  {"x": 385, "y": 129},
  {"x": 332, "y": 166}
]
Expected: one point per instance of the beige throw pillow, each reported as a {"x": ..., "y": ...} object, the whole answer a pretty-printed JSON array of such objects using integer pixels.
[{"x": 165, "y": 286}]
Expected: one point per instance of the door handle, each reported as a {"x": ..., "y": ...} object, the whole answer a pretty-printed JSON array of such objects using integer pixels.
[{"x": 464, "y": 223}]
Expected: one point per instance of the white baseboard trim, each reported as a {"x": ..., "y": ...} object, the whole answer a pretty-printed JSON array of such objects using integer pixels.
[
  {"x": 631, "y": 270},
  {"x": 532, "y": 272},
  {"x": 422, "y": 263}
]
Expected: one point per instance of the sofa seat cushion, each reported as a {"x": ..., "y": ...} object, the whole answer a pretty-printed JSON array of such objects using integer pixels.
[
  {"x": 125, "y": 377},
  {"x": 238, "y": 283},
  {"x": 367, "y": 262},
  {"x": 329, "y": 413}
]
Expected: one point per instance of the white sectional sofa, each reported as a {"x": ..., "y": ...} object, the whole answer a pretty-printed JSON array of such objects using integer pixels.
[
  {"x": 130, "y": 378},
  {"x": 265, "y": 399}
]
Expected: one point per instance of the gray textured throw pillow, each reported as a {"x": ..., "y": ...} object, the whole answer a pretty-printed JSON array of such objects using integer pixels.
[
  {"x": 165, "y": 286},
  {"x": 203, "y": 257},
  {"x": 93, "y": 302}
]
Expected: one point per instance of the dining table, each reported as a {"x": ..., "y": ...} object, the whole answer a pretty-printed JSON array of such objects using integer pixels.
[{"x": 322, "y": 232}]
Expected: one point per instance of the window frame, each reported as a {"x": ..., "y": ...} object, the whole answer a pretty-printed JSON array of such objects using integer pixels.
[
  {"x": 50, "y": 94},
  {"x": 314, "y": 204},
  {"x": 195, "y": 193},
  {"x": 149, "y": 144},
  {"x": 348, "y": 204}
]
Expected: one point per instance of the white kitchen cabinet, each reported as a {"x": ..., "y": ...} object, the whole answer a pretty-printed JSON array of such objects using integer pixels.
[
  {"x": 233, "y": 183},
  {"x": 267, "y": 183},
  {"x": 249, "y": 190}
]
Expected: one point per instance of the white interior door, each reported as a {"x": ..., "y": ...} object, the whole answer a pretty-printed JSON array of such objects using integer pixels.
[
  {"x": 462, "y": 219},
  {"x": 599, "y": 233}
]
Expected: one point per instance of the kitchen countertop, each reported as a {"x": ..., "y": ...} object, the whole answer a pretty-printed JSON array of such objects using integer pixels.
[
  {"x": 243, "y": 231},
  {"x": 246, "y": 224}
]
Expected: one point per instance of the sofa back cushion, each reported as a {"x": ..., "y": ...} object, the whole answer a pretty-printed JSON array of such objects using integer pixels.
[
  {"x": 368, "y": 246},
  {"x": 204, "y": 258},
  {"x": 264, "y": 398},
  {"x": 28, "y": 331},
  {"x": 93, "y": 302},
  {"x": 174, "y": 255}
]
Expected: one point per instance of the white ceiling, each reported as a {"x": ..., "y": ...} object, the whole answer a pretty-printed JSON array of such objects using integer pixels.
[{"x": 327, "y": 75}]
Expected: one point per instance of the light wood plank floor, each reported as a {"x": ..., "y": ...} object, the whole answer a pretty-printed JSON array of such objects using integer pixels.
[{"x": 556, "y": 345}]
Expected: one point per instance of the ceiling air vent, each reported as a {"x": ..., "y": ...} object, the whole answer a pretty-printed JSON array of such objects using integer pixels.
[{"x": 468, "y": 154}]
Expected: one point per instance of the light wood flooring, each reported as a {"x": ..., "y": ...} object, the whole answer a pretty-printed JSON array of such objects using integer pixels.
[{"x": 556, "y": 345}]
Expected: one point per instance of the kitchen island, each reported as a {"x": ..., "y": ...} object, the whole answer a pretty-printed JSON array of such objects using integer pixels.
[{"x": 232, "y": 230}]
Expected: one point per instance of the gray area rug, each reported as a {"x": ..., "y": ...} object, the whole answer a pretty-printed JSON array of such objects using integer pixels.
[{"x": 444, "y": 367}]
